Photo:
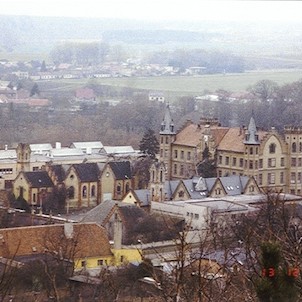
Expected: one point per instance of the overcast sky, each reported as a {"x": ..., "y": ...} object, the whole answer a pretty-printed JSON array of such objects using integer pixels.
[{"x": 157, "y": 9}]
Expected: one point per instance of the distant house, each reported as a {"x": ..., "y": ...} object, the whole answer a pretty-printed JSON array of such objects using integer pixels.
[
  {"x": 85, "y": 94},
  {"x": 88, "y": 147},
  {"x": 157, "y": 96}
]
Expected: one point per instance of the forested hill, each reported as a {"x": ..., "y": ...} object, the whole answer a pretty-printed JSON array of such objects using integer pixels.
[{"x": 41, "y": 34}]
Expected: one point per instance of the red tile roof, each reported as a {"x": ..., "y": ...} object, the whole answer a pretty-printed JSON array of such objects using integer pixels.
[{"x": 88, "y": 240}]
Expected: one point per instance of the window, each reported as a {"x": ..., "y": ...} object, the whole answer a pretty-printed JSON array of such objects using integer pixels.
[
  {"x": 189, "y": 155},
  {"x": 127, "y": 186},
  {"x": 181, "y": 194},
  {"x": 175, "y": 169},
  {"x": 256, "y": 164},
  {"x": 93, "y": 191},
  {"x": 293, "y": 178},
  {"x": 299, "y": 162},
  {"x": 181, "y": 170},
  {"x": 251, "y": 150},
  {"x": 251, "y": 164},
  {"x": 100, "y": 262},
  {"x": 299, "y": 177},
  {"x": 218, "y": 191},
  {"x": 161, "y": 176},
  {"x": 35, "y": 168},
  {"x": 196, "y": 216},
  {"x": 118, "y": 188},
  {"x": 175, "y": 153},
  {"x": 300, "y": 147},
  {"x": 260, "y": 179},
  {"x": 241, "y": 162},
  {"x": 271, "y": 178},
  {"x": 293, "y": 162},
  {"x": 227, "y": 160},
  {"x": 220, "y": 159},
  {"x": 6, "y": 171},
  {"x": 271, "y": 162},
  {"x": 166, "y": 153},
  {"x": 281, "y": 177},
  {"x": 70, "y": 192},
  {"x": 251, "y": 189},
  {"x": 83, "y": 263},
  {"x": 294, "y": 147},
  {"x": 84, "y": 191},
  {"x": 34, "y": 198},
  {"x": 167, "y": 140},
  {"x": 272, "y": 148},
  {"x": 282, "y": 162},
  {"x": 161, "y": 152},
  {"x": 234, "y": 161},
  {"x": 182, "y": 155},
  {"x": 161, "y": 140},
  {"x": 260, "y": 163}
]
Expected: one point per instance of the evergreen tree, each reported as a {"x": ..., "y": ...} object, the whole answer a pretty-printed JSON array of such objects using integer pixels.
[
  {"x": 149, "y": 144},
  {"x": 277, "y": 282},
  {"x": 34, "y": 90}
]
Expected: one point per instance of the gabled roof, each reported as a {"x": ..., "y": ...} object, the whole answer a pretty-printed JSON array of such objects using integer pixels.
[
  {"x": 143, "y": 196},
  {"x": 39, "y": 179},
  {"x": 87, "y": 172},
  {"x": 92, "y": 240},
  {"x": 118, "y": 149},
  {"x": 121, "y": 169}
]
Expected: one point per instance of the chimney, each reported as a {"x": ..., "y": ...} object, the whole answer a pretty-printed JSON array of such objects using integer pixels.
[
  {"x": 88, "y": 150},
  {"x": 5, "y": 147},
  {"x": 68, "y": 230},
  {"x": 117, "y": 231},
  {"x": 58, "y": 145}
]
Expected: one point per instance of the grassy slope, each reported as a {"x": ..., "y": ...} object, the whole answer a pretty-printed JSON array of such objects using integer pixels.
[{"x": 189, "y": 85}]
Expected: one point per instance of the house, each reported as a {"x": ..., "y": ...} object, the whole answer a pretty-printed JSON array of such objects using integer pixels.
[
  {"x": 140, "y": 198},
  {"x": 34, "y": 187},
  {"x": 116, "y": 180},
  {"x": 274, "y": 160},
  {"x": 108, "y": 211},
  {"x": 85, "y": 94},
  {"x": 81, "y": 183},
  {"x": 86, "y": 245}
]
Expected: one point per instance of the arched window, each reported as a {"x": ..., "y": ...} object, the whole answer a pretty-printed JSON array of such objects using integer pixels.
[
  {"x": 70, "y": 192},
  {"x": 118, "y": 188},
  {"x": 294, "y": 147},
  {"x": 300, "y": 147},
  {"x": 161, "y": 176},
  {"x": 272, "y": 148},
  {"x": 93, "y": 191},
  {"x": 84, "y": 191},
  {"x": 181, "y": 194},
  {"x": 127, "y": 187}
]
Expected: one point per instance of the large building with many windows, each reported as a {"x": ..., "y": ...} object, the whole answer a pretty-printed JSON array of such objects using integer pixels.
[{"x": 274, "y": 160}]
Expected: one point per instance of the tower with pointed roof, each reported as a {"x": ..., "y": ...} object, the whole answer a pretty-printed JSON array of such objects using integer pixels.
[
  {"x": 167, "y": 137},
  {"x": 252, "y": 143}
]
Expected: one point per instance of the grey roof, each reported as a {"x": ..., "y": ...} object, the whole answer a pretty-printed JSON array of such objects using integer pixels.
[
  {"x": 118, "y": 149},
  {"x": 39, "y": 179},
  {"x": 121, "y": 169},
  {"x": 167, "y": 126},
  {"x": 251, "y": 135},
  {"x": 144, "y": 196},
  {"x": 87, "y": 172},
  {"x": 94, "y": 146},
  {"x": 99, "y": 213},
  {"x": 170, "y": 187}
]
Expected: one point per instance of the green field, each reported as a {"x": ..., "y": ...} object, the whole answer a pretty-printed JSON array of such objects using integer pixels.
[{"x": 174, "y": 86}]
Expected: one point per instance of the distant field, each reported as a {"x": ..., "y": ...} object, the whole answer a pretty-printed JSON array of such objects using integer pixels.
[{"x": 189, "y": 85}]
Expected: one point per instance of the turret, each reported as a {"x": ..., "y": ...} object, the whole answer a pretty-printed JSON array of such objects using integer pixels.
[{"x": 251, "y": 136}]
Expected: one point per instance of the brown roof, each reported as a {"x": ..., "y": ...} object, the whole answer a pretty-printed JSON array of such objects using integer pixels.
[
  {"x": 233, "y": 140},
  {"x": 88, "y": 240},
  {"x": 189, "y": 136},
  {"x": 192, "y": 134}
]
